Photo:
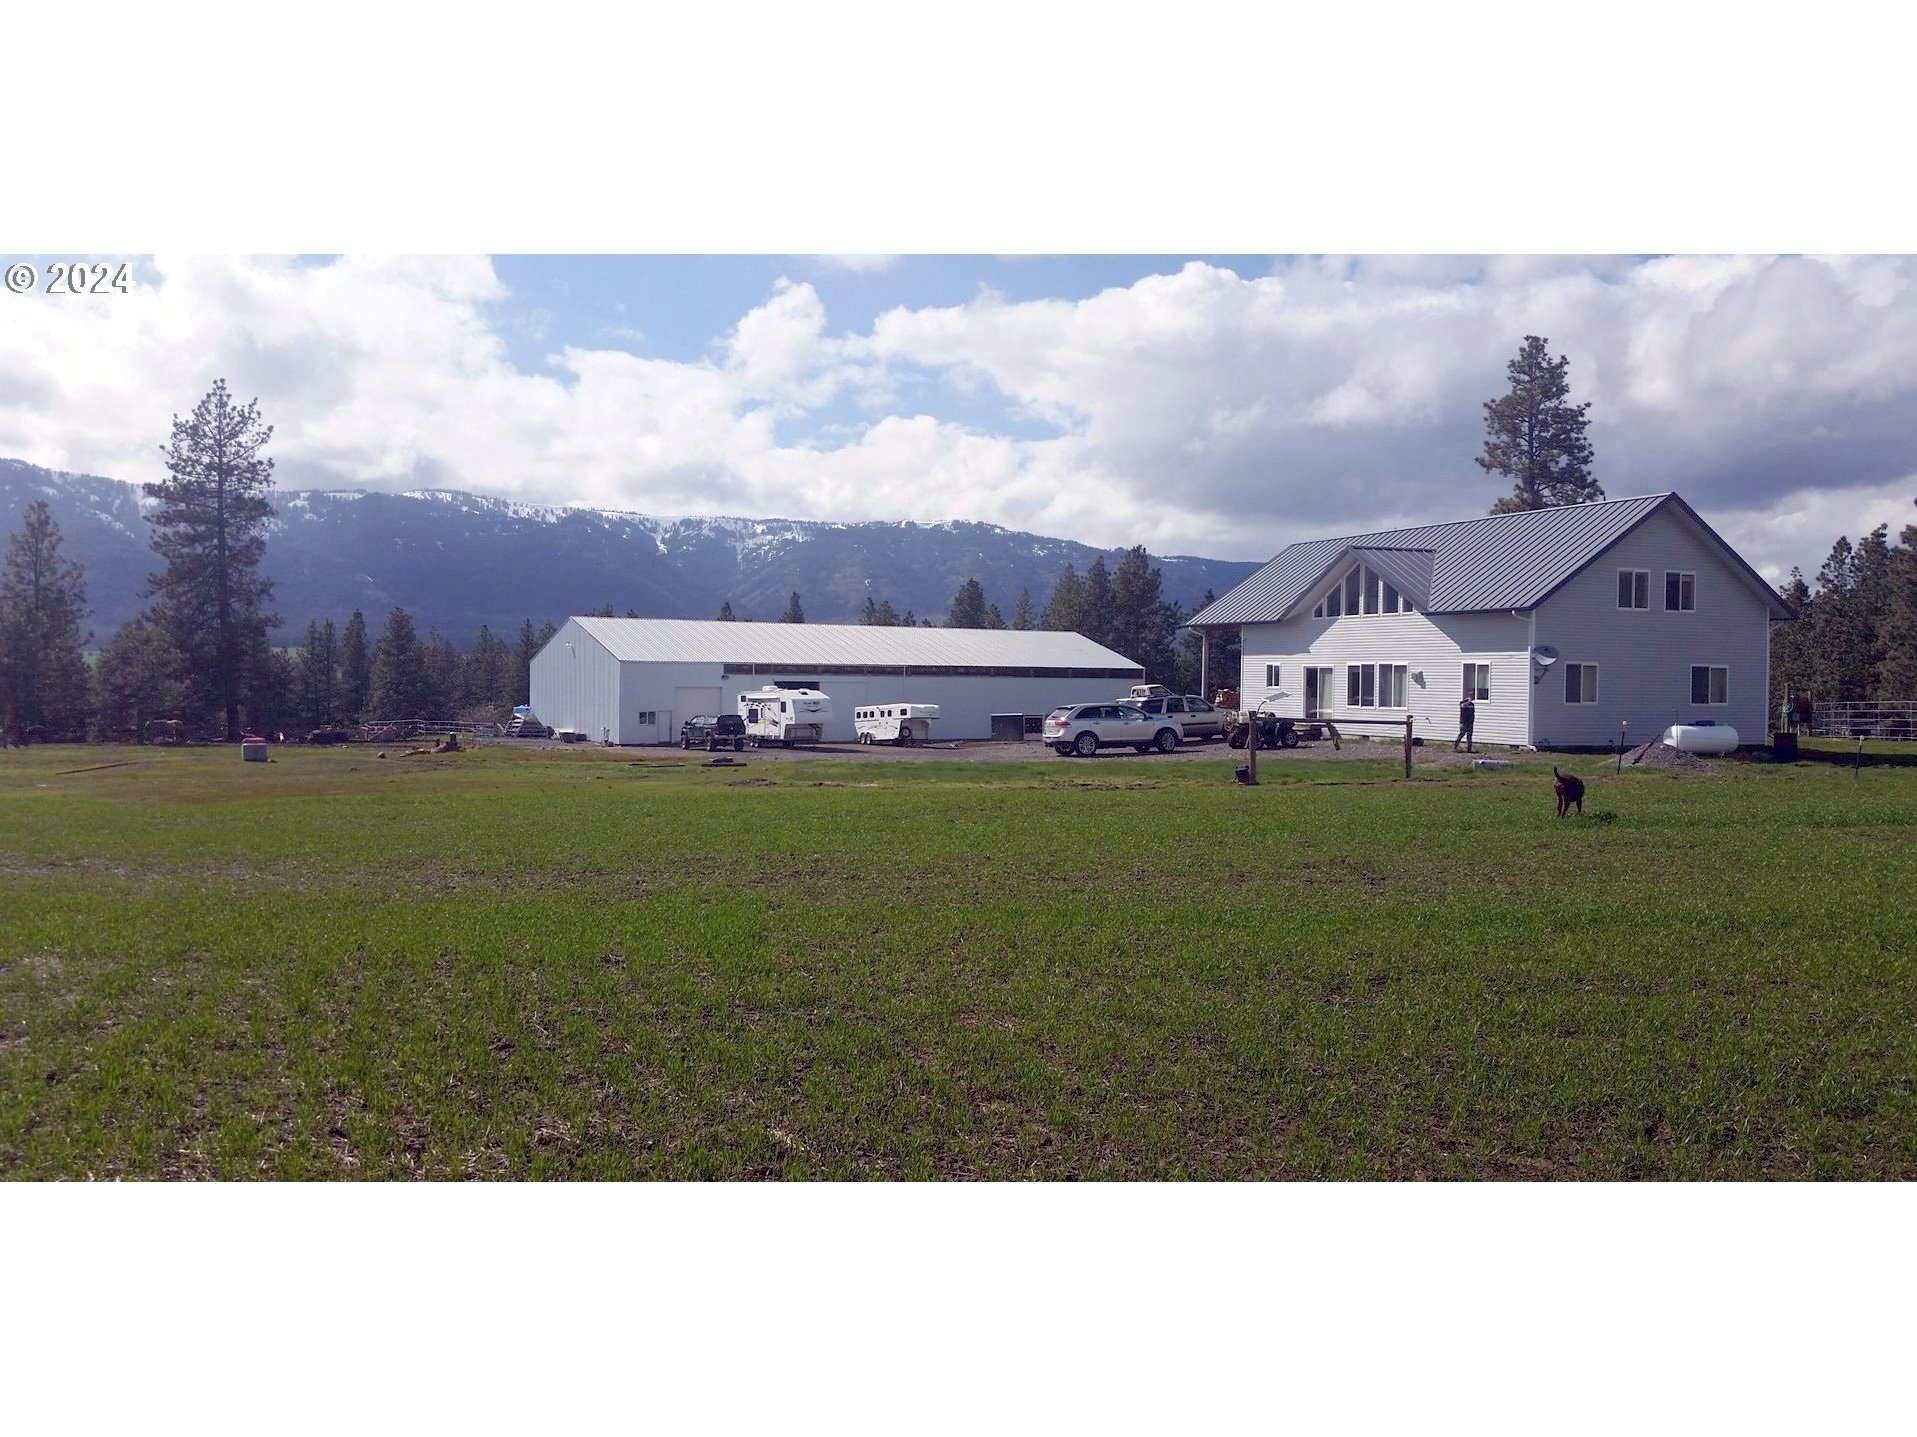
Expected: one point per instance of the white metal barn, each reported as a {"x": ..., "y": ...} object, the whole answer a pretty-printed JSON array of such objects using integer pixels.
[{"x": 634, "y": 681}]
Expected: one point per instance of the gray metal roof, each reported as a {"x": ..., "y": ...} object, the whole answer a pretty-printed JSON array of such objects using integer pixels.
[
  {"x": 698, "y": 641},
  {"x": 1497, "y": 563}
]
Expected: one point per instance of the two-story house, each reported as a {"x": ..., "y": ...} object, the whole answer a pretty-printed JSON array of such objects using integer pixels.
[{"x": 1563, "y": 623}]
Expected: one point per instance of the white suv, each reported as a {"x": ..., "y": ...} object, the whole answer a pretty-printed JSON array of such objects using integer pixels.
[{"x": 1083, "y": 729}]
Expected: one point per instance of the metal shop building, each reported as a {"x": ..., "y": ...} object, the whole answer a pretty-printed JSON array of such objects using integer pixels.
[{"x": 634, "y": 681}]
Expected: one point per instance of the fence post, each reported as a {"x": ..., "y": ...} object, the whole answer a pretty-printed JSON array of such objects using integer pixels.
[
  {"x": 1407, "y": 745},
  {"x": 1251, "y": 750}
]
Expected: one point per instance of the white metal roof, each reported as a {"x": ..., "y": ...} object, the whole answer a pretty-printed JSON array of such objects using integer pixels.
[{"x": 699, "y": 641}]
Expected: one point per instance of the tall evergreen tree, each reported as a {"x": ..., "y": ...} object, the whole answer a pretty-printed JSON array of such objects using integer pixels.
[
  {"x": 1142, "y": 622},
  {"x": 1535, "y": 437},
  {"x": 1792, "y": 666},
  {"x": 398, "y": 690},
  {"x": 1065, "y": 612},
  {"x": 485, "y": 673},
  {"x": 1096, "y": 619},
  {"x": 1871, "y": 596},
  {"x": 1022, "y": 610},
  {"x": 317, "y": 685},
  {"x": 271, "y": 682},
  {"x": 1841, "y": 632},
  {"x": 135, "y": 680},
  {"x": 1897, "y": 670},
  {"x": 439, "y": 677},
  {"x": 210, "y": 528},
  {"x": 879, "y": 614},
  {"x": 43, "y": 672},
  {"x": 794, "y": 612},
  {"x": 355, "y": 670},
  {"x": 968, "y": 607},
  {"x": 521, "y": 676},
  {"x": 725, "y": 613},
  {"x": 993, "y": 618}
]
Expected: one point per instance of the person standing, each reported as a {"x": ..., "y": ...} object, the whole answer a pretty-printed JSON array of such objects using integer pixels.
[{"x": 1467, "y": 717}]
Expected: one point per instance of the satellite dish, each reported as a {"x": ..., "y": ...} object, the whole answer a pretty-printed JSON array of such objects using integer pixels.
[{"x": 1544, "y": 656}]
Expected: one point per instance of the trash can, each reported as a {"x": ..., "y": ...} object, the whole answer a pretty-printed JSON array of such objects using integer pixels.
[
  {"x": 1008, "y": 728},
  {"x": 1784, "y": 747},
  {"x": 253, "y": 750}
]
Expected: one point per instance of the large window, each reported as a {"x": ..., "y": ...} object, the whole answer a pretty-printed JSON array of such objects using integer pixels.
[
  {"x": 1375, "y": 686},
  {"x": 1272, "y": 672},
  {"x": 1710, "y": 684},
  {"x": 1477, "y": 681},
  {"x": 1580, "y": 683},
  {"x": 1361, "y": 590},
  {"x": 1634, "y": 588},
  {"x": 1680, "y": 591}
]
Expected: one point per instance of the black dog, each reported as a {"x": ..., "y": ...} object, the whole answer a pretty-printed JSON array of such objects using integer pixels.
[{"x": 1570, "y": 790}]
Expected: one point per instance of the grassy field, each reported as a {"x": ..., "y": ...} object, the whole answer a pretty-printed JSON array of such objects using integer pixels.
[{"x": 609, "y": 964}]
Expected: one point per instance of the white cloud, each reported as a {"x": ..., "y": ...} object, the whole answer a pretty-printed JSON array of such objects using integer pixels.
[{"x": 1198, "y": 411}]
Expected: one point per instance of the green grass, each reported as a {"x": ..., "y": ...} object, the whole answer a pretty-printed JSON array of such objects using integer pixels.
[{"x": 531, "y": 964}]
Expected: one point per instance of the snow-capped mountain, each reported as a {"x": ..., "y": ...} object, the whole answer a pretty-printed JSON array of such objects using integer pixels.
[{"x": 456, "y": 561}]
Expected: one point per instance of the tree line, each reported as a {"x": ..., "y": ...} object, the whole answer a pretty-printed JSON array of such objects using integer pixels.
[
  {"x": 1856, "y": 632},
  {"x": 199, "y": 652}
]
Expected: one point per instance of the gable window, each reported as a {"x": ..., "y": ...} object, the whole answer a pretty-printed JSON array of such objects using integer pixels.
[
  {"x": 1362, "y": 590},
  {"x": 1580, "y": 683},
  {"x": 1680, "y": 591},
  {"x": 1477, "y": 681},
  {"x": 1634, "y": 588},
  {"x": 1272, "y": 671},
  {"x": 1710, "y": 684}
]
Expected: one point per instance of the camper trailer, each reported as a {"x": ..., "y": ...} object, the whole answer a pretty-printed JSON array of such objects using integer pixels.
[
  {"x": 784, "y": 716},
  {"x": 902, "y": 724}
]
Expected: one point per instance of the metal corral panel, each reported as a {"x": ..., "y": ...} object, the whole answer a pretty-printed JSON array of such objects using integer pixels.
[{"x": 1489, "y": 565}]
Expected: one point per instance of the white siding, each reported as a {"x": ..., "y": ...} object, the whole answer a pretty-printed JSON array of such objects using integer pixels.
[
  {"x": 1434, "y": 648},
  {"x": 584, "y": 688},
  {"x": 1644, "y": 656}
]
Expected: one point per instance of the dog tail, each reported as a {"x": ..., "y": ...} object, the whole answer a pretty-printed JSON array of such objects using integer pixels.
[{"x": 1554, "y": 772}]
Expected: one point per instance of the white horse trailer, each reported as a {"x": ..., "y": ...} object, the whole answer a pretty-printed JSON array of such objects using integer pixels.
[
  {"x": 784, "y": 716},
  {"x": 902, "y": 724}
]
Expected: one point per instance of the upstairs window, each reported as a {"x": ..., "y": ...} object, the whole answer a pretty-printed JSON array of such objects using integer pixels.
[
  {"x": 1710, "y": 684},
  {"x": 1361, "y": 590},
  {"x": 1680, "y": 591},
  {"x": 1634, "y": 588}
]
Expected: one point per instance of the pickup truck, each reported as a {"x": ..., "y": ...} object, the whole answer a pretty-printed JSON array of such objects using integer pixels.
[{"x": 714, "y": 731}]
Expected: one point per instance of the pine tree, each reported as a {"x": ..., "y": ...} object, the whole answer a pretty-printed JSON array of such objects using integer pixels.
[
  {"x": 1897, "y": 670},
  {"x": 1022, "y": 610},
  {"x": 136, "y": 680},
  {"x": 1065, "y": 612},
  {"x": 1841, "y": 633},
  {"x": 398, "y": 692},
  {"x": 355, "y": 671},
  {"x": 520, "y": 686},
  {"x": 317, "y": 685},
  {"x": 271, "y": 679},
  {"x": 210, "y": 528},
  {"x": 1534, "y": 437},
  {"x": 485, "y": 674},
  {"x": 1792, "y": 668},
  {"x": 794, "y": 613},
  {"x": 43, "y": 672},
  {"x": 725, "y": 613},
  {"x": 1096, "y": 620},
  {"x": 993, "y": 618},
  {"x": 1142, "y": 622},
  {"x": 439, "y": 677},
  {"x": 1871, "y": 596},
  {"x": 968, "y": 607}
]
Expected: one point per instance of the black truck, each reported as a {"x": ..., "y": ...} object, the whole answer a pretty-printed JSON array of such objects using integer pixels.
[{"x": 714, "y": 731}]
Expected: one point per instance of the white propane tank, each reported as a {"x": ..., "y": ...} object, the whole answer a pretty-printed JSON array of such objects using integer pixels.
[{"x": 1701, "y": 737}]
